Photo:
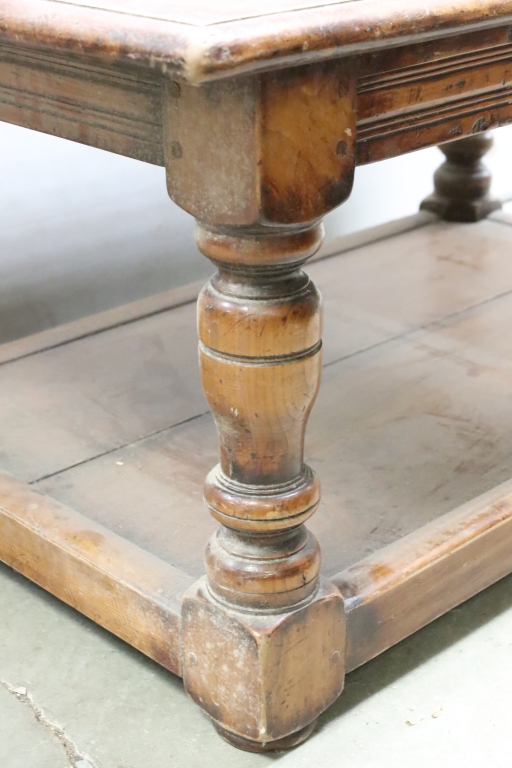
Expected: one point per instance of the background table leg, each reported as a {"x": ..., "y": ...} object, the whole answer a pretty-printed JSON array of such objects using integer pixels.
[
  {"x": 462, "y": 183},
  {"x": 263, "y": 634}
]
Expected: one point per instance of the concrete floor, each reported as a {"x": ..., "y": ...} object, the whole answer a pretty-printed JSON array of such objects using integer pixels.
[{"x": 72, "y": 695}]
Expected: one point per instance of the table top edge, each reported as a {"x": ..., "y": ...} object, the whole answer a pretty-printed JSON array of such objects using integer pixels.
[{"x": 198, "y": 54}]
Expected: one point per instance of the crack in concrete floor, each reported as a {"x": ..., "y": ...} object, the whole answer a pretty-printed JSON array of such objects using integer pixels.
[{"x": 77, "y": 758}]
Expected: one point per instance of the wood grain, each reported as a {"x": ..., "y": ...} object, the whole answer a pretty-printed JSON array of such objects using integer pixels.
[
  {"x": 113, "y": 110},
  {"x": 259, "y": 613},
  {"x": 261, "y": 37},
  {"x": 401, "y": 588},
  {"x": 418, "y": 63},
  {"x": 102, "y": 321},
  {"x": 258, "y": 160},
  {"x": 395, "y": 446},
  {"x": 114, "y": 583},
  {"x": 387, "y": 596},
  {"x": 290, "y": 136},
  {"x": 263, "y": 679},
  {"x": 143, "y": 381},
  {"x": 426, "y": 94},
  {"x": 53, "y": 413},
  {"x": 462, "y": 184},
  {"x": 357, "y": 27},
  {"x": 408, "y": 97}
]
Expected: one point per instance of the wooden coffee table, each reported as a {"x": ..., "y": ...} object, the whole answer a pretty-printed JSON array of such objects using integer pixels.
[{"x": 260, "y": 112}]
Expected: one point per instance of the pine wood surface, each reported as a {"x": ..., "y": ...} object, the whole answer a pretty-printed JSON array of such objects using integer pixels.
[
  {"x": 393, "y": 592},
  {"x": 258, "y": 160},
  {"x": 116, "y": 584},
  {"x": 201, "y": 40},
  {"x": 409, "y": 394},
  {"x": 425, "y": 73},
  {"x": 409, "y": 434}
]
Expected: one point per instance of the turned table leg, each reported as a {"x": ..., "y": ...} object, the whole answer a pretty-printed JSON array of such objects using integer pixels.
[
  {"x": 258, "y": 161},
  {"x": 462, "y": 183},
  {"x": 263, "y": 634}
]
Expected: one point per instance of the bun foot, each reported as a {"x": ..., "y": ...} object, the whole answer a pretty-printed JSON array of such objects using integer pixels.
[{"x": 293, "y": 740}]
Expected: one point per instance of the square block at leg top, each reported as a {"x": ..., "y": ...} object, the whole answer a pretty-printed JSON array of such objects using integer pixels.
[{"x": 263, "y": 676}]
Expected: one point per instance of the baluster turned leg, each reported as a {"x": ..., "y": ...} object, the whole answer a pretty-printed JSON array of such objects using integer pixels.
[
  {"x": 259, "y": 160},
  {"x": 462, "y": 183},
  {"x": 263, "y": 634}
]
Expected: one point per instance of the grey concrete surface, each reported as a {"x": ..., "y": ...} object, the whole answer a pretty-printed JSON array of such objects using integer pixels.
[
  {"x": 119, "y": 709},
  {"x": 24, "y": 741},
  {"x": 439, "y": 698}
]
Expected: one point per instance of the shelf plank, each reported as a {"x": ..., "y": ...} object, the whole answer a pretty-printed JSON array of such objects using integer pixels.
[
  {"x": 403, "y": 587},
  {"x": 115, "y": 583}
]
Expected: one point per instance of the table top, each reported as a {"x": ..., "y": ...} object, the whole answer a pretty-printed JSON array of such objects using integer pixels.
[{"x": 200, "y": 40}]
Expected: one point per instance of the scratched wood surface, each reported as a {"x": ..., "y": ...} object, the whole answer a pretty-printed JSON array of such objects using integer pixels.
[
  {"x": 408, "y": 97},
  {"x": 198, "y": 40},
  {"x": 116, "y": 584},
  {"x": 394, "y": 445},
  {"x": 394, "y": 592},
  {"x": 201, "y": 12},
  {"x": 417, "y": 95},
  {"x": 411, "y": 421}
]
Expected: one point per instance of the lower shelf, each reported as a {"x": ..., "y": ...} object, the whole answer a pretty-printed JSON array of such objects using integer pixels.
[
  {"x": 388, "y": 595},
  {"x": 106, "y": 441}
]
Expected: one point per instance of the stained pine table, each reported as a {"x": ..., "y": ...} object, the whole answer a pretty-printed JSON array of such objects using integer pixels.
[{"x": 260, "y": 112}]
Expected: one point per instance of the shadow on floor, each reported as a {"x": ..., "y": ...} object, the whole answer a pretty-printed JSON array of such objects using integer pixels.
[
  {"x": 74, "y": 616},
  {"x": 424, "y": 645},
  {"x": 361, "y": 684}
]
